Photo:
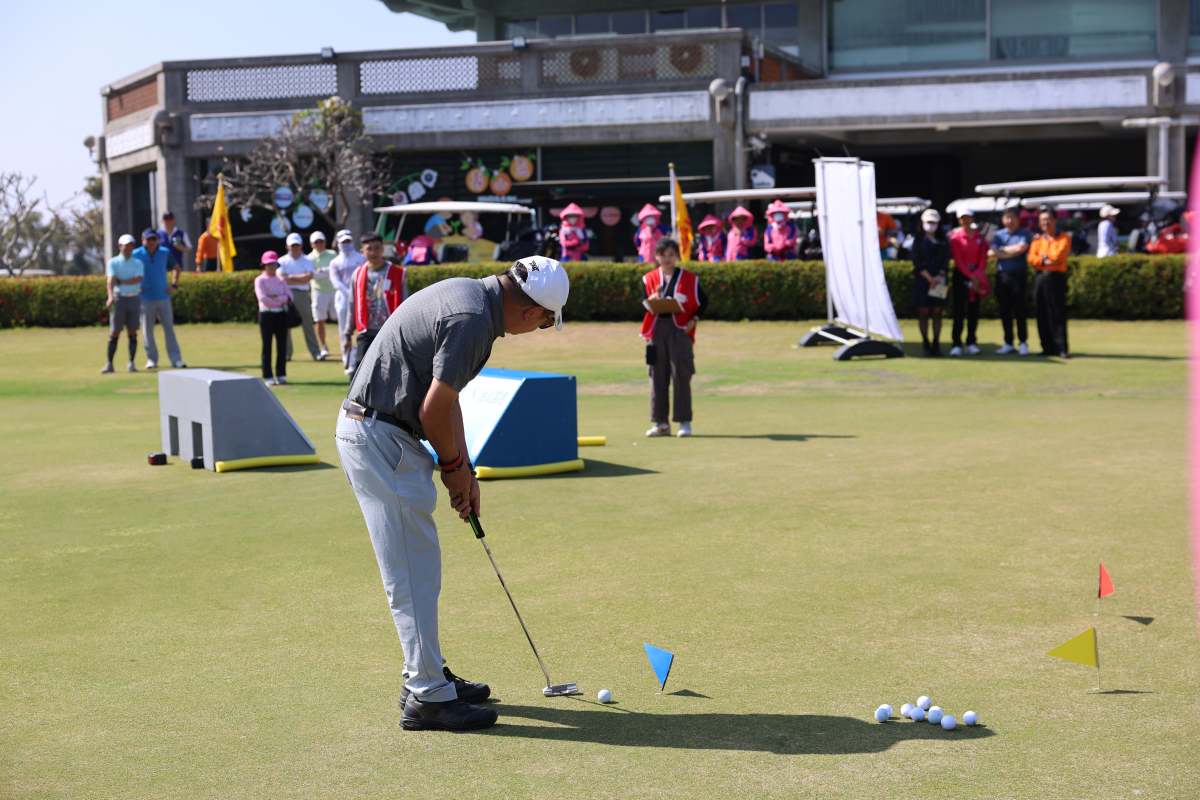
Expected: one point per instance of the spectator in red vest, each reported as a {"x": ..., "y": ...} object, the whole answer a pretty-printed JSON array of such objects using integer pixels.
[
  {"x": 572, "y": 235},
  {"x": 742, "y": 235},
  {"x": 781, "y": 235},
  {"x": 670, "y": 338},
  {"x": 379, "y": 288},
  {"x": 712, "y": 240},
  {"x": 649, "y": 232},
  {"x": 969, "y": 251}
]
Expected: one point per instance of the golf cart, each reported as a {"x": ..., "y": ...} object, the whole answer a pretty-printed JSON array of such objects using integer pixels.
[{"x": 451, "y": 245}]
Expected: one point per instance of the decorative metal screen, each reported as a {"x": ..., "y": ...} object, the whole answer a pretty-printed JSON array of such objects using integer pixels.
[
  {"x": 261, "y": 83},
  {"x": 610, "y": 64},
  {"x": 458, "y": 73}
]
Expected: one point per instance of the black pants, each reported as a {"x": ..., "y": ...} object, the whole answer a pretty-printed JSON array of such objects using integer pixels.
[
  {"x": 1050, "y": 297},
  {"x": 273, "y": 325},
  {"x": 360, "y": 349},
  {"x": 1010, "y": 294},
  {"x": 964, "y": 307}
]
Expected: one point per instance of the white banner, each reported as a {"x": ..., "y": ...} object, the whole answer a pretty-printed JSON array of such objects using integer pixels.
[{"x": 850, "y": 240}]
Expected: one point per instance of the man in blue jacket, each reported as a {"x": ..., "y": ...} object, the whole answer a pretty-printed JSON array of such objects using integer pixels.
[{"x": 156, "y": 298}]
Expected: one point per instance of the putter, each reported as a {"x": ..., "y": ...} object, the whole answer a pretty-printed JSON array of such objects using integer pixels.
[{"x": 552, "y": 689}]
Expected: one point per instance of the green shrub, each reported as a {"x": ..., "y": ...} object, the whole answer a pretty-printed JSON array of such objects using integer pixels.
[{"x": 1124, "y": 287}]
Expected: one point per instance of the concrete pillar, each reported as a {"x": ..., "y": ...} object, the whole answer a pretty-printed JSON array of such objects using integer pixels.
[
  {"x": 812, "y": 35},
  {"x": 487, "y": 29},
  {"x": 1177, "y": 159},
  {"x": 1173, "y": 31}
]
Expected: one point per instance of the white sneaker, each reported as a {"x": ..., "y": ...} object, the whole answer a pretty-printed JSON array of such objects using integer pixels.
[
  {"x": 270, "y": 382},
  {"x": 151, "y": 365},
  {"x": 1024, "y": 349},
  {"x": 107, "y": 368},
  {"x": 973, "y": 350},
  {"x": 349, "y": 370},
  {"x": 179, "y": 365},
  {"x": 321, "y": 356},
  {"x": 1005, "y": 350},
  {"x": 685, "y": 429},
  {"x": 659, "y": 430},
  {"x": 281, "y": 380},
  {"x": 130, "y": 367},
  {"x": 956, "y": 351}
]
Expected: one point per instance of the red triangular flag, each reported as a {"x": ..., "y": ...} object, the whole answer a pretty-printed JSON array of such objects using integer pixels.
[{"x": 1106, "y": 587}]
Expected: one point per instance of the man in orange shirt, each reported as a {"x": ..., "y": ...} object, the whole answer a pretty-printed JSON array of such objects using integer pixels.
[
  {"x": 887, "y": 226},
  {"x": 208, "y": 251},
  {"x": 1048, "y": 255}
]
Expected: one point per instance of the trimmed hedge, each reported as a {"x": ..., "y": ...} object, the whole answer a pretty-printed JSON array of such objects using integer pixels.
[{"x": 1125, "y": 287}]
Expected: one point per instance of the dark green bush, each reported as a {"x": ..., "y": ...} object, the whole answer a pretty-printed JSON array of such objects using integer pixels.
[{"x": 1124, "y": 287}]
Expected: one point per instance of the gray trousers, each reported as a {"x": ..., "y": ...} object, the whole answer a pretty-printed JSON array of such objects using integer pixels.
[
  {"x": 304, "y": 305},
  {"x": 160, "y": 311},
  {"x": 673, "y": 369},
  {"x": 392, "y": 476}
]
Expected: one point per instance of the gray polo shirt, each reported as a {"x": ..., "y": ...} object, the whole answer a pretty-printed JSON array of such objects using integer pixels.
[{"x": 444, "y": 331}]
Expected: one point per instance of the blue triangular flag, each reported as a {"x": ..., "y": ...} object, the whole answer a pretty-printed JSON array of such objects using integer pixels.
[{"x": 660, "y": 662}]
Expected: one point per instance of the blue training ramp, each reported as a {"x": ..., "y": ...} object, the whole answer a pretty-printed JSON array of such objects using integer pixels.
[{"x": 660, "y": 662}]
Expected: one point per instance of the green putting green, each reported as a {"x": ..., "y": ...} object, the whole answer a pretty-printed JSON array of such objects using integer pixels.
[{"x": 835, "y": 536}]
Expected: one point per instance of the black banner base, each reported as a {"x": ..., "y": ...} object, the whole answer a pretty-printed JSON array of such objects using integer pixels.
[{"x": 867, "y": 347}]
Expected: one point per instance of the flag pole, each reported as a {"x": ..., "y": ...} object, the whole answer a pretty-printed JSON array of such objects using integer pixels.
[{"x": 674, "y": 211}]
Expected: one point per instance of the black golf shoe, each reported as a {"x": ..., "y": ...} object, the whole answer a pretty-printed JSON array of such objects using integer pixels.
[
  {"x": 468, "y": 691},
  {"x": 453, "y": 715}
]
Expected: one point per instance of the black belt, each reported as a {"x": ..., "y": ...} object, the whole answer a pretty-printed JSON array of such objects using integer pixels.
[{"x": 360, "y": 412}]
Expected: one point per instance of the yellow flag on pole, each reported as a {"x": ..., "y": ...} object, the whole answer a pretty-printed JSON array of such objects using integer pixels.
[
  {"x": 680, "y": 221},
  {"x": 1082, "y": 649},
  {"x": 219, "y": 227}
]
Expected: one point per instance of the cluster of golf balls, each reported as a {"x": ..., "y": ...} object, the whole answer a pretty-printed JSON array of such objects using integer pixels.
[{"x": 925, "y": 711}]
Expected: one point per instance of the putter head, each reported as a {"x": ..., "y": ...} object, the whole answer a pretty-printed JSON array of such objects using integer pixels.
[{"x": 561, "y": 690}]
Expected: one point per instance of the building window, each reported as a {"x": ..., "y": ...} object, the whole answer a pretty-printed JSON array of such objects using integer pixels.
[
  {"x": 628, "y": 23},
  {"x": 707, "y": 17},
  {"x": 1073, "y": 28},
  {"x": 877, "y": 33},
  {"x": 591, "y": 24},
  {"x": 553, "y": 27}
]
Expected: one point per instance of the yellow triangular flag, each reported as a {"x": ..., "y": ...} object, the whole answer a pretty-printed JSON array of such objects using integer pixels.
[
  {"x": 220, "y": 229},
  {"x": 1082, "y": 649},
  {"x": 681, "y": 222}
]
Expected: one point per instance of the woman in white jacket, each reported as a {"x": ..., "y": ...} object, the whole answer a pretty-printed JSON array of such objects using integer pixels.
[
  {"x": 1106, "y": 236},
  {"x": 341, "y": 272}
]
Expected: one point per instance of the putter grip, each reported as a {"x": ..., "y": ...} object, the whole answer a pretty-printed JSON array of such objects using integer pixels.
[{"x": 475, "y": 526}]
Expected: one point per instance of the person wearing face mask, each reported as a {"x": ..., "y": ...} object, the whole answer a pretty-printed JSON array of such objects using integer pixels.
[
  {"x": 742, "y": 235},
  {"x": 931, "y": 263},
  {"x": 341, "y": 274},
  {"x": 649, "y": 232},
  {"x": 781, "y": 235},
  {"x": 712, "y": 240},
  {"x": 969, "y": 251},
  {"x": 572, "y": 235}
]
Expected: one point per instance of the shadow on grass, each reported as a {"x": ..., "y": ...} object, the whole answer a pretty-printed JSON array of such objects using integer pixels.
[
  {"x": 601, "y": 469},
  {"x": 688, "y": 693},
  {"x": 774, "y": 437},
  {"x": 782, "y": 734},
  {"x": 1125, "y": 691},
  {"x": 289, "y": 468},
  {"x": 914, "y": 350},
  {"x": 1140, "y": 620},
  {"x": 1127, "y": 357}
]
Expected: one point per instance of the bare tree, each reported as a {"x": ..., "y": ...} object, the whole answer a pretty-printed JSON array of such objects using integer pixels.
[
  {"x": 22, "y": 237},
  {"x": 322, "y": 154}
]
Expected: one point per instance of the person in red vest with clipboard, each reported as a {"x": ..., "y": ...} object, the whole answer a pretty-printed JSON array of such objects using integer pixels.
[
  {"x": 379, "y": 288},
  {"x": 674, "y": 302}
]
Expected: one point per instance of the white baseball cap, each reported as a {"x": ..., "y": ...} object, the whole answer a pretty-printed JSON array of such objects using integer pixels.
[
  {"x": 546, "y": 283},
  {"x": 345, "y": 236},
  {"x": 294, "y": 238},
  {"x": 931, "y": 215},
  {"x": 126, "y": 239},
  {"x": 316, "y": 236},
  {"x": 1109, "y": 211}
]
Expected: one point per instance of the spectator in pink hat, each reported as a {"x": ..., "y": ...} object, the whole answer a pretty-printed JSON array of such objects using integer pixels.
[
  {"x": 649, "y": 231},
  {"x": 712, "y": 240},
  {"x": 781, "y": 235},
  {"x": 742, "y": 235},
  {"x": 273, "y": 295},
  {"x": 573, "y": 235}
]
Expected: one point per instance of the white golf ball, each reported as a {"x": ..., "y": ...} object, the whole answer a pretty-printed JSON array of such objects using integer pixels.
[
  {"x": 948, "y": 722},
  {"x": 924, "y": 703},
  {"x": 889, "y": 708},
  {"x": 881, "y": 714},
  {"x": 935, "y": 715},
  {"x": 604, "y": 696},
  {"x": 918, "y": 714},
  {"x": 970, "y": 718},
  {"x": 906, "y": 710}
]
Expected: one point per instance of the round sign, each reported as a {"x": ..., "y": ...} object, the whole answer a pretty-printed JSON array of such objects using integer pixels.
[
  {"x": 521, "y": 168},
  {"x": 400, "y": 198},
  {"x": 283, "y": 196},
  {"x": 501, "y": 183},
  {"x": 280, "y": 227},
  {"x": 477, "y": 180},
  {"x": 246, "y": 214},
  {"x": 610, "y": 215},
  {"x": 319, "y": 199},
  {"x": 302, "y": 216}
]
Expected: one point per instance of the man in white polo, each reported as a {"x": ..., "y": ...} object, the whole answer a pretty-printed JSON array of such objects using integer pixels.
[
  {"x": 406, "y": 390},
  {"x": 297, "y": 269},
  {"x": 323, "y": 291},
  {"x": 341, "y": 273}
]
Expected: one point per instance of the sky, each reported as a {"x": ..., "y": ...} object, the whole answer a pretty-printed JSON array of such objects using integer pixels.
[{"x": 57, "y": 55}]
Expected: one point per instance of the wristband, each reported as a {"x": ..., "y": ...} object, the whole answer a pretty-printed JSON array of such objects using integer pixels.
[{"x": 452, "y": 466}]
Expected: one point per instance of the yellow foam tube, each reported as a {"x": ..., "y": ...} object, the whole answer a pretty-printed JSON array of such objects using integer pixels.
[
  {"x": 593, "y": 441},
  {"x": 531, "y": 471},
  {"x": 266, "y": 461}
]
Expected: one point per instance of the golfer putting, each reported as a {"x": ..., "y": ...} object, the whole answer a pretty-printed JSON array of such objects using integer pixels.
[{"x": 406, "y": 390}]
